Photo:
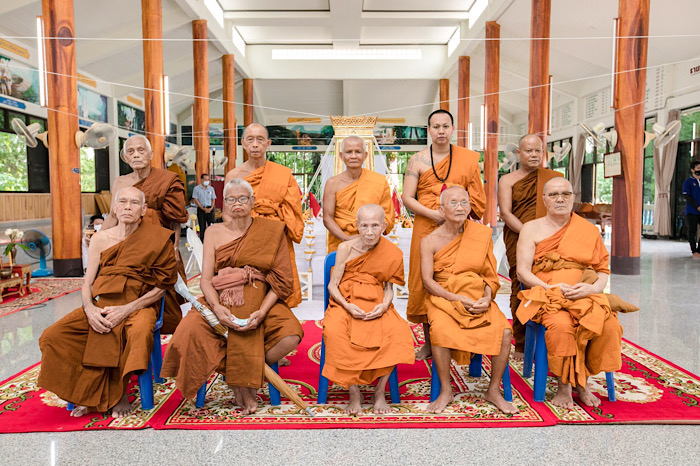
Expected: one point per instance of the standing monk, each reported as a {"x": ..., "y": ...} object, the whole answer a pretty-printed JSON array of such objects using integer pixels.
[
  {"x": 428, "y": 173},
  {"x": 246, "y": 273},
  {"x": 165, "y": 197},
  {"x": 520, "y": 200},
  {"x": 277, "y": 194},
  {"x": 564, "y": 263},
  {"x": 459, "y": 274},
  {"x": 346, "y": 192},
  {"x": 365, "y": 337},
  {"x": 89, "y": 355}
]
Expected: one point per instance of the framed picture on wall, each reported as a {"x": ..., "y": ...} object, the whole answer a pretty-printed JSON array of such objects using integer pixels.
[{"x": 612, "y": 164}]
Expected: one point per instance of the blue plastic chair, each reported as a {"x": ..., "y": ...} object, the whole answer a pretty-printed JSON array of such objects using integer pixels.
[
  {"x": 328, "y": 263},
  {"x": 275, "y": 399},
  {"x": 474, "y": 371},
  {"x": 154, "y": 366}
]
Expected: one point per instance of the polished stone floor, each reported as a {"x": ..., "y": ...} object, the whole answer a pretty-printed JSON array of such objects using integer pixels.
[{"x": 666, "y": 291}]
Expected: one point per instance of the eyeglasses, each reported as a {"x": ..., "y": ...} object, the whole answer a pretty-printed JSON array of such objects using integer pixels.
[
  {"x": 454, "y": 204},
  {"x": 241, "y": 199},
  {"x": 564, "y": 195}
]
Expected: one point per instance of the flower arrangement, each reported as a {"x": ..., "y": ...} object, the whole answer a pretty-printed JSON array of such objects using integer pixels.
[{"x": 15, "y": 236}]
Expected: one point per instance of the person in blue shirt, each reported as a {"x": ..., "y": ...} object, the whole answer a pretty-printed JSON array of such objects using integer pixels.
[
  {"x": 203, "y": 195},
  {"x": 691, "y": 192}
]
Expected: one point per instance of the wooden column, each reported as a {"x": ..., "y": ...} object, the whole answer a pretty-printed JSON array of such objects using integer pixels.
[
  {"x": 491, "y": 89},
  {"x": 230, "y": 130},
  {"x": 200, "y": 111},
  {"x": 152, "y": 27},
  {"x": 445, "y": 94},
  {"x": 463, "y": 103},
  {"x": 64, "y": 156},
  {"x": 538, "y": 120},
  {"x": 248, "y": 109},
  {"x": 629, "y": 123}
]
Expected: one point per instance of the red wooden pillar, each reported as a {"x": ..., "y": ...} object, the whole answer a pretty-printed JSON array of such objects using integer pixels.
[
  {"x": 463, "y": 103},
  {"x": 445, "y": 94},
  {"x": 200, "y": 111},
  {"x": 152, "y": 27},
  {"x": 230, "y": 130},
  {"x": 538, "y": 121},
  {"x": 493, "y": 53},
  {"x": 248, "y": 108}
]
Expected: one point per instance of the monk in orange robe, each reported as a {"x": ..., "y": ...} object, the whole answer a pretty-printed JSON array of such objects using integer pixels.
[
  {"x": 364, "y": 335},
  {"x": 90, "y": 354},
  {"x": 459, "y": 274},
  {"x": 165, "y": 197},
  {"x": 564, "y": 263},
  {"x": 246, "y": 273},
  {"x": 346, "y": 192},
  {"x": 519, "y": 201},
  {"x": 277, "y": 194},
  {"x": 428, "y": 173}
]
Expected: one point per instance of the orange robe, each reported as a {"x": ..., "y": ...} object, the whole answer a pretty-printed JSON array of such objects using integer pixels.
[
  {"x": 527, "y": 205},
  {"x": 91, "y": 369},
  {"x": 195, "y": 350},
  {"x": 465, "y": 266},
  {"x": 165, "y": 197},
  {"x": 358, "y": 351},
  {"x": 277, "y": 196},
  {"x": 465, "y": 172},
  {"x": 370, "y": 188},
  {"x": 584, "y": 335}
]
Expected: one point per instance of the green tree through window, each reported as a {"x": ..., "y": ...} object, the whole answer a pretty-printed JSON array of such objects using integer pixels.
[{"x": 13, "y": 159}]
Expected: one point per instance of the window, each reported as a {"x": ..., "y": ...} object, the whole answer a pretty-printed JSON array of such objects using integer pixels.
[
  {"x": 595, "y": 188},
  {"x": 690, "y": 124},
  {"x": 13, "y": 158},
  {"x": 24, "y": 169},
  {"x": 303, "y": 165},
  {"x": 649, "y": 189},
  {"x": 562, "y": 166},
  {"x": 396, "y": 167}
]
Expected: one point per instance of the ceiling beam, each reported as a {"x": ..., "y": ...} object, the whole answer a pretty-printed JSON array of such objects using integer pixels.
[{"x": 346, "y": 23}]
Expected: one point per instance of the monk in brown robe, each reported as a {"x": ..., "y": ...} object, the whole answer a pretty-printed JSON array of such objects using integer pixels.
[
  {"x": 90, "y": 354},
  {"x": 365, "y": 337},
  {"x": 277, "y": 194},
  {"x": 428, "y": 173},
  {"x": 246, "y": 273},
  {"x": 564, "y": 263},
  {"x": 519, "y": 201},
  {"x": 165, "y": 197},
  {"x": 459, "y": 274},
  {"x": 346, "y": 192}
]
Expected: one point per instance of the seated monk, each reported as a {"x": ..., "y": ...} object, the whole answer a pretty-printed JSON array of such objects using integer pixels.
[
  {"x": 346, "y": 192},
  {"x": 563, "y": 262},
  {"x": 246, "y": 273},
  {"x": 365, "y": 337},
  {"x": 90, "y": 354},
  {"x": 459, "y": 275}
]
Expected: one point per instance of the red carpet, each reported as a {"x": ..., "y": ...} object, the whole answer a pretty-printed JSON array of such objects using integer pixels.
[{"x": 42, "y": 290}]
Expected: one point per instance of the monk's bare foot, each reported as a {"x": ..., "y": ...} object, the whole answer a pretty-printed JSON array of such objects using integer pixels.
[
  {"x": 249, "y": 400},
  {"x": 284, "y": 362},
  {"x": 518, "y": 356},
  {"x": 380, "y": 405},
  {"x": 586, "y": 397},
  {"x": 355, "y": 406},
  {"x": 424, "y": 353},
  {"x": 563, "y": 397},
  {"x": 79, "y": 411},
  {"x": 495, "y": 397},
  {"x": 237, "y": 397},
  {"x": 122, "y": 409},
  {"x": 441, "y": 403}
]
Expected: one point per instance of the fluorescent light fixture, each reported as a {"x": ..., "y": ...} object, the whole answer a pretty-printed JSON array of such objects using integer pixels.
[
  {"x": 41, "y": 58},
  {"x": 347, "y": 54},
  {"x": 166, "y": 105},
  {"x": 476, "y": 10},
  {"x": 216, "y": 11},
  {"x": 483, "y": 127},
  {"x": 238, "y": 40},
  {"x": 454, "y": 41},
  {"x": 471, "y": 136}
]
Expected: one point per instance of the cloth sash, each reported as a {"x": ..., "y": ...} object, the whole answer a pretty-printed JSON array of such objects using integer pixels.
[
  {"x": 229, "y": 283},
  {"x": 365, "y": 291}
]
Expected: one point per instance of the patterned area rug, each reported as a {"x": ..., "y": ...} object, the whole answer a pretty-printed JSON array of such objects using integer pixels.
[{"x": 43, "y": 289}]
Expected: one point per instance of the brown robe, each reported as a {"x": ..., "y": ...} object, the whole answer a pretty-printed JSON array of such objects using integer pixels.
[
  {"x": 358, "y": 351},
  {"x": 195, "y": 350},
  {"x": 165, "y": 197},
  {"x": 527, "y": 205},
  {"x": 465, "y": 172},
  {"x": 91, "y": 369}
]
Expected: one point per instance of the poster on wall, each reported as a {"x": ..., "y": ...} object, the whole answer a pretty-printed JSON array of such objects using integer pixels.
[
  {"x": 91, "y": 105},
  {"x": 301, "y": 135},
  {"x": 401, "y": 135},
  {"x": 131, "y": 119},
  {"x": 19, "y": 81},
  {"x": 216, "y": 134}
]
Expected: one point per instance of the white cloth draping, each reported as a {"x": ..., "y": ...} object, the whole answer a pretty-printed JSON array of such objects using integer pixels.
[
  {"x": 664, "y": 167},
  {"x": 575, "y": 166}
]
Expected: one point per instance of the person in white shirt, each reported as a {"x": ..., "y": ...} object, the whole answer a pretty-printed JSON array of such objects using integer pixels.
[{"x": 204, "y": 195}]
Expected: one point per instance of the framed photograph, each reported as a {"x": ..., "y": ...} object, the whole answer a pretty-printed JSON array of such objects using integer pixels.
[{"x": 612, "y": 164}]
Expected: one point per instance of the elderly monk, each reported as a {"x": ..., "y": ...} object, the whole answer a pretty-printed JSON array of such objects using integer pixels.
[
  {"x": 563, "y": 262},
  {"x": 165, "y": 197},
  {"x": 277, "y": 194},
  {"x": 520, "y": 200},
  {"x": 428, "y": 173},
  {"x": 246, "y": 273},
  {"x": 459, "y": 274},
  {"x": 346, "y": 192},
  {"x": 89, "y": 355},
  {"x": 365, "y": 337}
]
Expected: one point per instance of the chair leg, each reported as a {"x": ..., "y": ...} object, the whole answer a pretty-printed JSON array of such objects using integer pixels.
[
  {"x": 394, "y": 386},
  {"x": 610, "y": 382},
  {"x": 435, "y": 386},
  {"x": 274, "y": 393},
  {"x": 157, "y": 357},
  {"x": 541, "y": 365},
  {"x": 507, "y": 388},
  {"x": 201, "y": 393},
  {"x": 529, "y": 351},
  {"x": 475, "y": 365},
  {"x": 146, "y": 388},
  {"x": 322, "y": 381}
]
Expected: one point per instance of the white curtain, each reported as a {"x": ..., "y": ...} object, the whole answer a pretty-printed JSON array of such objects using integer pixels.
[
  {"x": 575, "y": 165},
  {"x": 664, "y": 167}
]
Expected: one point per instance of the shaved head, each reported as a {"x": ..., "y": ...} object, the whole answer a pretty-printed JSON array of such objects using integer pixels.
[
  {"x": 557, "y": 182},
  {"x": 529, "y": 137},
  {"x": 355, "y": 139},
  {"x": 255, "y": 126},
  {"x": 455, "y": 190},
  {"x": 130, "y": 190},
  {"x": 370, "y": 211}
]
